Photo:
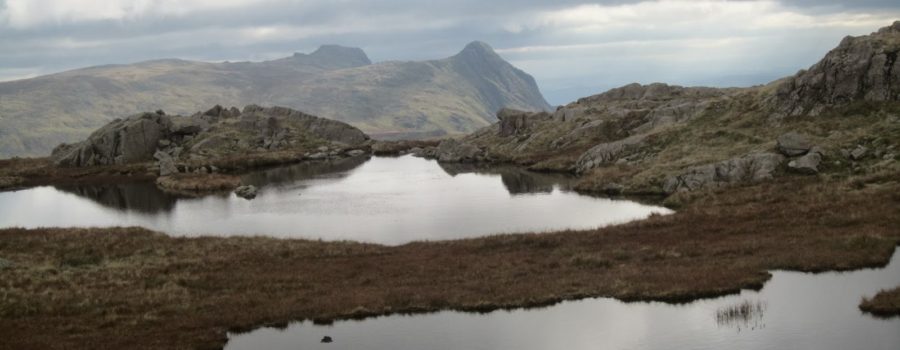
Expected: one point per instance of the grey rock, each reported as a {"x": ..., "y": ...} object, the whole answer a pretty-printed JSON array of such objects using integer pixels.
[
  {"x": 121, "y": 141},
  {"x": 807, "y": 164},
  {"x": 246, "y": 192},
  {"x": 610, "y": 153},
  {"x": 516, "y": 123},
  {"x": 859, "y": 152},
  {"x": 318, "y": 155},
  {"x": 859, "y": 68},
  {"x": 793, "y": 144},
  {"x": 889, "y": 156},
  {"x": 455, "y": 151},
  {"x": 166, "y": 164},
  {"x": 753, "y": 167}
]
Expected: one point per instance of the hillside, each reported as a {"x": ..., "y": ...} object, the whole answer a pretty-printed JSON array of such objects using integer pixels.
[
  {"x": 455, "y": 95},
  {"x": 839, "y": 118}
]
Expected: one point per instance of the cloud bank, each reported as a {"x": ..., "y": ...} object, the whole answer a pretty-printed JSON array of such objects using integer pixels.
[{"x": 573, "y": 48}]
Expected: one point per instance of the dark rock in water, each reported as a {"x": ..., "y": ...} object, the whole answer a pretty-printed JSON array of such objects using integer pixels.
[
  {"x": 327, "y": 339},
  {"x": 613, "y": 189},
  {"x": 753, "y": 167},
  {"x": 246, "y": 192},
  {"x": 793, "y": 144},
  {"x": 452, "y": 151},
  {"x": 355, "y": 152}
]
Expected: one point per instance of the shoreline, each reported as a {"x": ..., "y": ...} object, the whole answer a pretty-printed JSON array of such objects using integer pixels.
[{"x": 130, "y": 287}]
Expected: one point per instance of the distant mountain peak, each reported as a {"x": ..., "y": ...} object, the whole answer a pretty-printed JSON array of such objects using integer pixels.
[
  {"x": 328, "y": 53},
  {"x": 477, "y": 49}
]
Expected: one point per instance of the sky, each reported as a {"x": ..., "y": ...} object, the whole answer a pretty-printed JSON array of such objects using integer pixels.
[{"x": 572, "y": 48}]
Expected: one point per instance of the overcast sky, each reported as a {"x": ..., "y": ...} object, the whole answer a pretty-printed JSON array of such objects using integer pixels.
[{"x": 572, "y": 48}]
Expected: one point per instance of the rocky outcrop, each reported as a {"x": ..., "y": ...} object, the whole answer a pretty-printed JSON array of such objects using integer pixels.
[
  {"x": 608, "y": 153},
  {"x": 749, "y": 168},
  {"x": 218, "y": 132},
  {"x": 514, "y": 122},
  {"x": 122, "y": 141},
  {"x": 860, "y": 68},
  {"x": 453, "y": 151}
]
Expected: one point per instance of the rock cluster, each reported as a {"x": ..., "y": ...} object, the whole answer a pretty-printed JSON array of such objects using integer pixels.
[
  {"x": 749, "y": 168},
  {"x": 453, "y": 151},
  {"x": 218, "y": 132},
  {"x": 610, "y": 152}
]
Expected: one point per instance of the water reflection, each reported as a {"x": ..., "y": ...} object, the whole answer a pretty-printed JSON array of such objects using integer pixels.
[
  {"x": 382, "y": 200},
  {"x": 801, "y": 311},
  {"x": 141, "y": 196},
  {"x": 516, "y": 180}
]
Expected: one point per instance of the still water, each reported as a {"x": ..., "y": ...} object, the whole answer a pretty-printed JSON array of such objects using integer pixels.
[
  {"x": 793, "y": 311},
  {"x": 382, "y": 200}
]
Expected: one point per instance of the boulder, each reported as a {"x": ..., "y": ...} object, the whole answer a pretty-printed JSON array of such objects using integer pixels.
[
  {"x": 793, "y": 144},
  {"x": 807, "y": 164},
  {"x": 610, "y": 152},
  {"x": 454, "y": 151},
  {"x": 246, "y": 192},
  {"x": 166, "y": 163},
  {"x": 515, "y": 122},
  {"x": 753, "y": 167}
]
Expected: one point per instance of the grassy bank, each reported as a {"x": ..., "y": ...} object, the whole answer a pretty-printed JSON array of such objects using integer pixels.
[
  {"x": 131, "y": 288},
  {"x": 886, "y": 303}
]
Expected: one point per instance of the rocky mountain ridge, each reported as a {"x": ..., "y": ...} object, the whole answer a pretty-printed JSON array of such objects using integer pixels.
[
  {"x": 391, "y": 99},
  {"x": 661, "y": 138}
]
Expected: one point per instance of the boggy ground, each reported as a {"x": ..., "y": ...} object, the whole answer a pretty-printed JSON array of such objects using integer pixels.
[{"x": 132, "y": 288}]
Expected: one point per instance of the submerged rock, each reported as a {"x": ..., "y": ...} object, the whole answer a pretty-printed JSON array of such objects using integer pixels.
[
  {"x": 327, "y": 339},
  {"x": 246, "y": 192}
]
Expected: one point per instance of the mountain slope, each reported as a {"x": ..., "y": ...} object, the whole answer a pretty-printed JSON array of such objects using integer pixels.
[
  {"x": 839, "y": 118},
  {"x": 393, "y": 99}
]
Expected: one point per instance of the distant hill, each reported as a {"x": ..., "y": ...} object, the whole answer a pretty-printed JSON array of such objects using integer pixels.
[{"x": 394, "y": 99}]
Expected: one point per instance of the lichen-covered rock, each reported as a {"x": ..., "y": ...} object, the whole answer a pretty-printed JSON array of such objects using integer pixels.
[
  {"x": 793, "y": 144},
  {"x": 167, "y": 164},
  {"x": 859, "y": 152},
  {"x": 860, "y": 68},
  {"x": 807, "y": 164},
  {"x": 753, "y": 167}
]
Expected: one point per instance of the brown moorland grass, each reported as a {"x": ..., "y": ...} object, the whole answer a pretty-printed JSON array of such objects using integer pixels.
[
  {"x": 886, "y": 303},
  {"x": 132, "y": 288},
  {"x": 197, "y": 184}
]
